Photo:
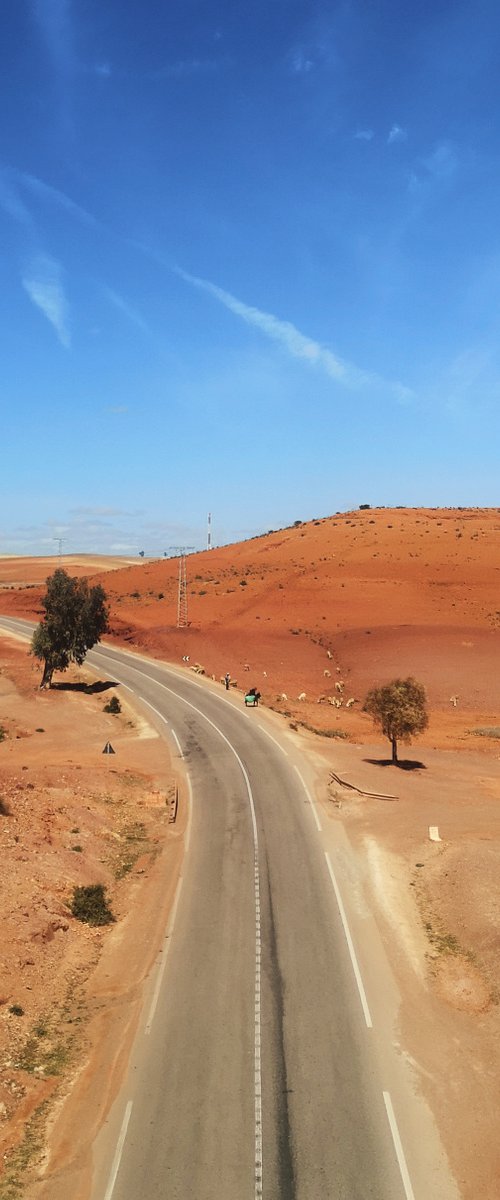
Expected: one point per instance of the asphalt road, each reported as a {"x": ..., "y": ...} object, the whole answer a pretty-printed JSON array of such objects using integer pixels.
[{"x": 252, "y": 1074}]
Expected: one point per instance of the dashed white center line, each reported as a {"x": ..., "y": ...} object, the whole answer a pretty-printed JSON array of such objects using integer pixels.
[
  {"x": 311, "y": 801},
  {"x": 410, "y": 1195},
  {"x": 350, "y": 944},
  {"x": 118, "y": 1153},
  {"x": 258, "y": 1164}
]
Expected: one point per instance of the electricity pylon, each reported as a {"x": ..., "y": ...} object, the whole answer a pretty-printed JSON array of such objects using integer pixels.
[{"x": 182, "y": 597}]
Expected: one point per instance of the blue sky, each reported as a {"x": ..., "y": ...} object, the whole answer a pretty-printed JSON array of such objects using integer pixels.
[{"x": 250, "y": 263}]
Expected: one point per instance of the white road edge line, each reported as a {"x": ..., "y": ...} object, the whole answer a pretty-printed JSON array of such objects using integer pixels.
[
  {"x": 350, "y": 944},
  {"x": 310, "y": 799},
  {"x": 118, "y": 1153},
  {"x": 187, "y": 835},
  {"x": 176, "y": 739},
  {"x": 166, "y": 947},
  {"x": 398, "y": 1146},
  {"x": 273, "y": 739}
]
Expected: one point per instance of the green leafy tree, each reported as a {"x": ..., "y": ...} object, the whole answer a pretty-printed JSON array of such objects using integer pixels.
[
  {"x": 399, "y": 709},
  {"x": 75, "y": 619}
]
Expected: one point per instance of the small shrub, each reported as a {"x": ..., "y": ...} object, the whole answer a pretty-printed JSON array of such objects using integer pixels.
[
  {"x": 40, "y": 730},
  {"x": 3, "y": 733},
  {"x": 4, "y": 808},
  {"x": 16, "y": 1010},
  {"x": 89, "y": 904},
  {"x": 77, "y": 849},
  {"x": 491, "y": 731},
  {"x": 113, "y": 705},
  {"x": 161, "y": 595},
  {"x": 243, "y": 583}
]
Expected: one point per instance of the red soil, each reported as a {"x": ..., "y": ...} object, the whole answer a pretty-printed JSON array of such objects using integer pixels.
[{"x": 386, "y": 591}]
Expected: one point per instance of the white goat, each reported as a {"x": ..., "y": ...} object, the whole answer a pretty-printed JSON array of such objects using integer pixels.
[{"x": 302, "y": 696}]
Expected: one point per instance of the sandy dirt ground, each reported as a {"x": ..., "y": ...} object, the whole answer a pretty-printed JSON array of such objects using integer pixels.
[
  {"x": 328, "y": 609},
  {"x": 69, "y": 993}
]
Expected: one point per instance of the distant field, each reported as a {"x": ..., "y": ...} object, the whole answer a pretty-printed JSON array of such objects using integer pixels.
[{"x": 16, "y": 570}]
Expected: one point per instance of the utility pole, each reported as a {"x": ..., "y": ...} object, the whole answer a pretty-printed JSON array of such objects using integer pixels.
[
  {"x": 59, "y": 541},
  {"x": 182, "y": 599},
  {"x": 209, "y": 532}
]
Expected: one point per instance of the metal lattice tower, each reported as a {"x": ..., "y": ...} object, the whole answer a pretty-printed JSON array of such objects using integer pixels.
[{"x": 182, "y": 599}]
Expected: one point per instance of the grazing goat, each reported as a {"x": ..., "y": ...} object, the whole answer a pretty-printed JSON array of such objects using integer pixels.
[
  {"x": 302, "y": 696},
  {"x": 350, "y": 702},
  {"x": 329, "y": 654},
  {"x": 326, "y": 673},
  {"x": 454, "y": 700}
]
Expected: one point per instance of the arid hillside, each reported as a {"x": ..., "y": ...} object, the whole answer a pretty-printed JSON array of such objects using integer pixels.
[{"x": 355, "y": 598}]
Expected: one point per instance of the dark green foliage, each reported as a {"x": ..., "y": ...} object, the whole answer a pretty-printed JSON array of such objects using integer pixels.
[
  {"x": 2, "y": 733},
  {"x": 89, "y": 904},
  {"x": 75, "y": 618},
  {"x": 399, "y": 709},
  {"x": 16, "y": 1010},
  {"x": 113, "y": 705}
]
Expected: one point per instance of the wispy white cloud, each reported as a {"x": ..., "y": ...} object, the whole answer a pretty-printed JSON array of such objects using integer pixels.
[
  {"x": 396, "y": 134},
  {"x": 54, "y": 18},
  {"x": 117, "y": 409},
  {"x": 443, "y": 161},
  {"x": 297, "y": 344},
  {"x": 43, "y": 283},
  {"x": 439, "y": 167},
  {"x": 124, "y": 307},
  {"x": 99, "y": 511},
  {"x": 364, "y": 135},
  {"x": 51, "y": 195},
  {"x": 11, "y": 202},
  {"x": 301, "y": 62}
]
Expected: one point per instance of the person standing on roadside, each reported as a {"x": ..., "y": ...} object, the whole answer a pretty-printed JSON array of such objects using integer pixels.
[{"x": 227, "y": 679}]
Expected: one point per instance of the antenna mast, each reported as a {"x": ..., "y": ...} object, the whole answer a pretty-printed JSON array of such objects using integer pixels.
[
  {"x": 182, "y": 599},
  {"x": 209, "y": 532}
]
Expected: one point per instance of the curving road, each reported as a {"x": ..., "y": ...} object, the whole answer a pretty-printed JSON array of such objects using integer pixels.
[{"x": 253, "y": 1074}]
